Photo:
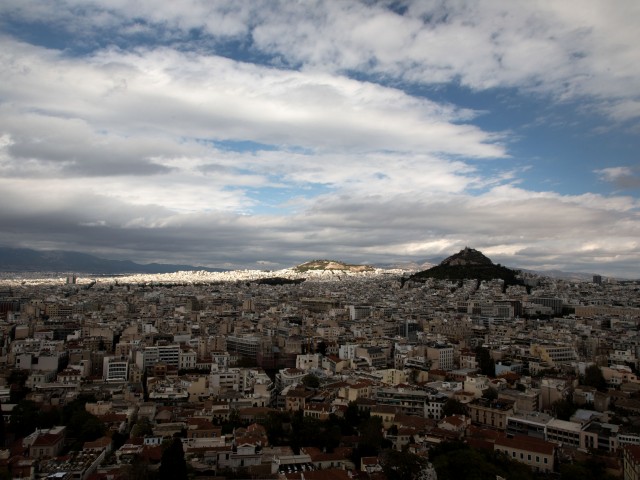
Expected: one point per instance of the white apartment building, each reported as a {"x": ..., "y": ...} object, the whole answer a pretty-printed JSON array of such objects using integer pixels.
[
  {"x": 289, "y": 376},
  {"x": 221, "y": 359},
  {"x": 441, "y": 356},
  {"x": 347, "y": 351},
  {"x": 221, "y": 381},
  {"x": 187, "y": 359},
  {"x": 358, "y": 312},
  {"x": 149, "y": 356},
  {"x": 115, "y": 369},
  {"x": 309, "y": 361}
]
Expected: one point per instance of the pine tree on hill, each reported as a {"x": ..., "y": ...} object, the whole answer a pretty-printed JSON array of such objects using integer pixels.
[{"x": 173, "y": 466}]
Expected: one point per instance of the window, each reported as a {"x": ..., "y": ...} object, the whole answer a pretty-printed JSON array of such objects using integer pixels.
[
  {"x": 537, "y": 459},
  {"x": 545, "y": 460},
  {"x": 529, "y": 457}
]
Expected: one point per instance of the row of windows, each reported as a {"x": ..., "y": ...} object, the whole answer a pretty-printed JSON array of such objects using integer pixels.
[{"x": 529, "y": 457}]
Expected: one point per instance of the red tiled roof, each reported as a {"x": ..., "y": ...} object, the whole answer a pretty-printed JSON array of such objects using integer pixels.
[
  {"x": 526, "y": 443},
  {"x": 102, "y": 442},
  {"x": 46, "y": 439},
  {"x": 200, "y": 423},
  {"x": 454, "y": 420},
  {"x": 112, "y": 417},
  {"x": 317, "y": 455}
]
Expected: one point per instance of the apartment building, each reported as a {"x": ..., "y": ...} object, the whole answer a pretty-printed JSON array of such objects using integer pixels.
[
  {"x": 115, "y": 369},
  {"x": 441, "y": 356},
  {"x": 553, "y": 354},
  {"x": 150, "y": 356},
  {"x": 408, "y": 401},
  {"x": 631, "y": 458},
  {"x": 491, "y": 413},
  {"x": 537, "y": 454}
]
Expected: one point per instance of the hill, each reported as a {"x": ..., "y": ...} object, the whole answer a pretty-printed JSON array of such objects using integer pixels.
[
  {"x": 27, "y": 260},
  {"x": 332, "y": 265},
  {"x": 468, "y": 264},
  {"x": 466, "y": 256}
]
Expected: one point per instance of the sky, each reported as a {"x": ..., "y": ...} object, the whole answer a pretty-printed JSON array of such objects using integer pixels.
[{"x": 263, "y": 134}]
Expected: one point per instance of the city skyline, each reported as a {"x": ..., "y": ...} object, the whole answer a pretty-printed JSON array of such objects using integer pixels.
[{"x": 266, "y": 134}]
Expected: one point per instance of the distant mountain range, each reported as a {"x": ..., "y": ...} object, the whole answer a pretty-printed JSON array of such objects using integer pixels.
[{"x": 27, "y": 260}]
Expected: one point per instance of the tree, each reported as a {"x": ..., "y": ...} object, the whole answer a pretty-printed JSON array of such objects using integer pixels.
[
  {"x": 234, "y": 421},
  {"x": 16, "y": 381},
  {"x": 402, "y": 465},
  {"x": 353, "y": 416},
  {"x": 371, "y": 439},
  {"x": 142, "y": 427},
  {"x": 24, "y": 418},
  {"x": 81, "y": 425},
  {"x": 453, "y": 407},
  {"x": 321, "y": 347},
  {"x": 138, "y": 469},
  {"x": 311, "y": 381},
  {"x": 173, "y": 466},
  {"x": 564, "y": 408},
  {"x": 278, "y": 427},
  {"x": 84, "y": 427},
  {"x": 490, "y": 394},
  {"x": 593, "y": 468},
  {"x": 593, "y": 377},
  {"x": 485, "y": 362},
  {"x": 455, "y": 460}
]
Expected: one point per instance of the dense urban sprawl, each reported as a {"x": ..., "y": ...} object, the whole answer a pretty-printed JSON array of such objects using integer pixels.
[{"x": 263, "y": 375}]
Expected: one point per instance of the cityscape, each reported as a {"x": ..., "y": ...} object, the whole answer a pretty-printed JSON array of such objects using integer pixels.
[
  {"x": 319, "y": 240},
  {"x": 325, "y": 370}
]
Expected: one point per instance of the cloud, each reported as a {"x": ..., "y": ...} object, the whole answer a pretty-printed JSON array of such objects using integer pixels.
[
  {"x": 516, "y": 227},
  {"x": 624, "y": 178},
  {"x": 210, "y": 97},
  {"x": 570, "y": 50},
  {"x": 146, "y": 125},
  {"x": 150, "y": 135}
]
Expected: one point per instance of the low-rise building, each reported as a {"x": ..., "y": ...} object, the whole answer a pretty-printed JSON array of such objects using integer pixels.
[
  {"x": 536, "y": 453},
  {"x": 491, "y": 413}
]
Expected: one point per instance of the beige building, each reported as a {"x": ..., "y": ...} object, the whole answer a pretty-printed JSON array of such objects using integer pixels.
[
  {"x": 534, "y": 452},
  {"x": 45, "y": 443},
  {"x": 441, "y": 356},
  {"x": 553, "y": 354},
  {"x": 392, "y": 376},
  {"x": 631, "y": 455},
  {"x": 475, "y": 384},
  {"x": 386, "y": 413},
  {"x": 352, "y": 392},
  {"x": 552, "y": 390},
  {"x": 528, "y": 401},
  {"x": 491, "y": 413},
  {"x": 618, "y": 374}
]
